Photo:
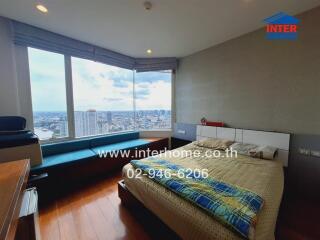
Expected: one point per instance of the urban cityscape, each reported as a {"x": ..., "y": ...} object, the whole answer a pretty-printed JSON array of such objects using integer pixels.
[{"x": 54, "y": 125}]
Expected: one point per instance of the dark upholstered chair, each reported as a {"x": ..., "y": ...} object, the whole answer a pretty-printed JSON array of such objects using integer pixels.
[
  {"x": 18, "y": 143},
  {"x": 12, "y": 123},
  {"x": 13, "y": 133}
]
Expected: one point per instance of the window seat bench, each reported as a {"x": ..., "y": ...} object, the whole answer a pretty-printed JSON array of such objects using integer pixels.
[
  {"x": 69, "y": 158},
  {"x": 77, "y": 160}
]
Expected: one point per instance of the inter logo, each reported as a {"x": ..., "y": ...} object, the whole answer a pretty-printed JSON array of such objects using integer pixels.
[{"x": 282, "y": 26}]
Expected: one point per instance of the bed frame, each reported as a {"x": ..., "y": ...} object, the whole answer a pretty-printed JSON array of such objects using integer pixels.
[
  {"x": 261, "y": 138},
  {"x": 160, "y": 230},
  {"x": 153, "y": 224}
]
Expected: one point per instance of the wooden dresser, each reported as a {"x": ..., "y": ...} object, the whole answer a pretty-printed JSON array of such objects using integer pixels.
[{"x": 14, "y": 198}]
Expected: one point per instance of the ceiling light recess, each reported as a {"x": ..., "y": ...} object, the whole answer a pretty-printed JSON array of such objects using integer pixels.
[
  {"x": 42, "y": 8},
  {"x": 147, "y": 5}
]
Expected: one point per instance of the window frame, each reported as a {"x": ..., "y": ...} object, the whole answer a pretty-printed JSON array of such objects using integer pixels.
[
  {"x": 107, "y": 133},
  {"x": 70, "y": 104},
  {"x": 172, "y": 104},
  {"x": 52, "y": 140}
]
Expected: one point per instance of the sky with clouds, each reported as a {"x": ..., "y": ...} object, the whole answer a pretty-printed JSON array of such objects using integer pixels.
[{"x": 95, "y": 85}]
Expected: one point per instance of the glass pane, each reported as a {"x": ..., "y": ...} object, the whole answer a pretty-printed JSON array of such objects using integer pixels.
[
  {"x": 103, "y": 98},
  {"x": 153, "y": 100},
  {"x": 48, "y": 89}
]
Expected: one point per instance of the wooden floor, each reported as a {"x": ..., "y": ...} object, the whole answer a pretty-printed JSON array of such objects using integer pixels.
[
  {"x": 299, "y": 220},
  {"x": 95, "y": 212}
]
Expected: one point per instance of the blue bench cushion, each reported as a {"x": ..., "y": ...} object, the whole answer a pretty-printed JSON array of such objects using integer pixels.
[
  {"x": 65, "y": 158},
  {"x": 64, "y": 147},
  {"x": 131, "y": 144},
  {"x": 106, "y": 140},
  {"x": 64, "y": 153}
]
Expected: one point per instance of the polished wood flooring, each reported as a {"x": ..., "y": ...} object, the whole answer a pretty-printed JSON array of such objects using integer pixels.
[
  {"x": 299, "y": 220},
  {"x": 94, "y": 211}
]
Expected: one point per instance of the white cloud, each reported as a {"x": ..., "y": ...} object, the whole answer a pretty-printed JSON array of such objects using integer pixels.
[
  {"x": 95, "y": 85},
  {"x": 159, "y": 96}
]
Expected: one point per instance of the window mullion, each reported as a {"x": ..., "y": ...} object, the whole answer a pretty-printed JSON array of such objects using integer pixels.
[
  {"x": 69, "y": 91},
  {"x": 134, "y": 100},
  {"x": 173, "y": 98}
]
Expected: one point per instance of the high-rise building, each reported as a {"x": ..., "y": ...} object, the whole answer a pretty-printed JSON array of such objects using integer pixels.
[
  {"x": 91, "y": 117},
  {"x": 109, "y": 117},
  {"x": 86, "y": 123},
  {"x": 63, "y": 127},
  {"x": 79, "y": 118}
]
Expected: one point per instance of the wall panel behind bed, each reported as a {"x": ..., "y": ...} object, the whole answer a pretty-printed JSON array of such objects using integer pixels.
[{"x": 281, "y": 141}]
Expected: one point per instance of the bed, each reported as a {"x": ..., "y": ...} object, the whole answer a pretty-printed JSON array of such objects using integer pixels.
[{"x": 263, "y": 177}]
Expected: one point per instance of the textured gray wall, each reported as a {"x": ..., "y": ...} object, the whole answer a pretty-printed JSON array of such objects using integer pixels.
[
  {"x": 9, "y": 102},
  {"x": 251, "y": 82}
]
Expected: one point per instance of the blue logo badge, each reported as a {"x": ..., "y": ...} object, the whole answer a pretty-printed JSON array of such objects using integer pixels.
[{"x": 282, "y": 26}]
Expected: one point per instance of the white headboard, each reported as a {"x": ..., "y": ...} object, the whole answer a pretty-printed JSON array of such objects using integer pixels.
[{"x": 262, "y": 138}]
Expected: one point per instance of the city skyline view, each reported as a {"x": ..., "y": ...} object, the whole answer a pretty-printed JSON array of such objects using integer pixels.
[{"x": 54, "y": 125}]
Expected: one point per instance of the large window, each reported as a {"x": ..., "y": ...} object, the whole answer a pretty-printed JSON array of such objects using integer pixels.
[
  {"x": 103, "y": 98},
  {"x": 106, "y": 99},
  {"x": 153, "y": 100},
  {"x": 48, "y": 87}
]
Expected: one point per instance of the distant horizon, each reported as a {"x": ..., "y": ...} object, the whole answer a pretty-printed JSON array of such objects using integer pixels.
[{"x": 107, "y": 110}]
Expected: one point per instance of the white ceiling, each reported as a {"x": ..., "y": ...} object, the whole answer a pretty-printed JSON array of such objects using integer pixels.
[{"x": 173, "y": 28}]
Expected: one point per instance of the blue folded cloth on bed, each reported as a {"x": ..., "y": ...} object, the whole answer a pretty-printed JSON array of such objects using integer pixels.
[{"x": 231, "y": 205}]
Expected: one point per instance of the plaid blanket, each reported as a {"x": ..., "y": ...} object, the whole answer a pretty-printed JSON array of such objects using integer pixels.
[{"x": 233, "y": 206}]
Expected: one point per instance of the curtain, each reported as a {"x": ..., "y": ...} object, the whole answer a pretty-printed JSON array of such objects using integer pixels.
[{"x": 27, "y": 35}]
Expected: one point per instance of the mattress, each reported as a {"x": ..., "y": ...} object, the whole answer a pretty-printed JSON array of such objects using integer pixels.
[{"x": 189, "y": 221}]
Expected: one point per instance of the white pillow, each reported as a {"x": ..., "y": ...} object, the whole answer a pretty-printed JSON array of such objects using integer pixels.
[
  {"x": 244, "y": 148},
  {"x": 214, "y": 143},
  {"x": 265, "y": 152},
  {"x": 252, "y": 150}
]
